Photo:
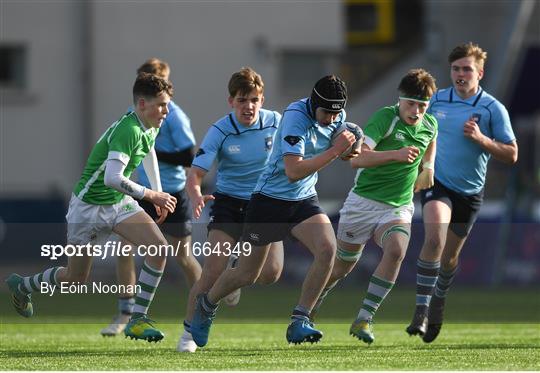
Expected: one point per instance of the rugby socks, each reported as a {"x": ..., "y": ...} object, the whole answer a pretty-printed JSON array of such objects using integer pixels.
[
  {"x": 33, "y": 283},
  {"x": 426, "y": 278},
  {"x": 300, "y": 313},
  {"x": 148, "y": 282},
  {"x": 126, "y": 304},
  {"x": 208, "y": 306},
  {"x": 378, "y": 289},
  {"x": 444, "y": 281}
]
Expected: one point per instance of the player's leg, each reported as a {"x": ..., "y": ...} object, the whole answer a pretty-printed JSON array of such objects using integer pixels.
[
  {"x": 355, "y": 228},
  {"x": 464, "y": 214},
  {"x": 393, "y": 237},
  {"x": 81, "y": 229},
  {"x": 245, "y": 273},
  {"x": 213, "y": 266},
  {"x": 317, "y": 234},
  {"x": 449, "y": 267},
  {"x": 142, "y": 231},
  {"x": 185, "y": 259},
  {"x": 273, "y": 265},
  {"x": 177, "y": 229},
  {"x": 125, "y": 275},
  {"x": 436, "y": 216}
]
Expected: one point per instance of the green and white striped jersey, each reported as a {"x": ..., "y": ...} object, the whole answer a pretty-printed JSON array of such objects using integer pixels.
[{"x": 127, "y": 140}]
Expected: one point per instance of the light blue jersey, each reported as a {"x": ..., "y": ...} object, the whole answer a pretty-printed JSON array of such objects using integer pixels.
[
  {"x": 241, "y": 152},
  {"x": 174, "y": 135},
  {"x": 298, "y": 134},
  {"x": 460, "y": 163}
]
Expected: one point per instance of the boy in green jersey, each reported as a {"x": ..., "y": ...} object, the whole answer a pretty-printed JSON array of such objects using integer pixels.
[
  {"x": 104, "y": 201},
  {"x": 397, "y": 139}
]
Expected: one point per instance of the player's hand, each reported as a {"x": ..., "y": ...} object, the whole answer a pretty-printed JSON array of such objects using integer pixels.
[
  {"x": 407, "y": 154},
  {"x": 344, "y": 141},
  {"x": 198, "y": 204},
  {"x": 161, "y": 213},
  {"x": 161, "y": 199},
  {"x": 424, "y": 180},
  {"x": 472, "y": 131}
]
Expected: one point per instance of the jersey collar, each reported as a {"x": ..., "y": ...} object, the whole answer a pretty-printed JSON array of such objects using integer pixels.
[{"x": 473, "y": 100}]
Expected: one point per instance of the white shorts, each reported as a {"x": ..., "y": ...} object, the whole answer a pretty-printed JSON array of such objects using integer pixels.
[
  {"x": 360, "y": 217},
  {"x": 88, "y": 223}
]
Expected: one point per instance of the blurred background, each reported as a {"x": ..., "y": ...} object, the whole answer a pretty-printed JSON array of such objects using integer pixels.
[{"x": 67, "y": 69}]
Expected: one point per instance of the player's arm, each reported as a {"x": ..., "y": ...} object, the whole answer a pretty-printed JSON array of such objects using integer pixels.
[
  {"x": 425, "y": 179},
  {"x": 369, "y": 157},
  {"x": 114, "y": 178},
  {"x": 193, "y": 189},
  {"x": 507, "y": 153},
  {"x": 297, "y": 168}
]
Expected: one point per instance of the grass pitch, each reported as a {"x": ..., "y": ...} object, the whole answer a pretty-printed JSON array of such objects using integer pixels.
[
  {"x": 263, "y": 347},
  {"x": 485, "y": 330}
]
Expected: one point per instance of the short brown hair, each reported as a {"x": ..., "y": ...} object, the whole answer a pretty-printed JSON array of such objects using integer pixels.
[
  {"x": 150, "y": 86},
  {"x": 418, "y": 83},
  {"x": 155, "y": 66},
  {"x": 245, "y": 81},
  {"x": 467, "y": 50}
]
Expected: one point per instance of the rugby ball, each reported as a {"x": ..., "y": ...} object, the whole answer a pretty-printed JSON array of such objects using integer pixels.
[{"x": 357, "y": 132}]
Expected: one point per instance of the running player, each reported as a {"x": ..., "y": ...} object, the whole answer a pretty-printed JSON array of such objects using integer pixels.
[
  {"x": 175, "y": 149},
  {"x": 103, "y": 201},
  {"x": 474, "y": 126},
  {"x": 241, "y": 142},
  {"x": 285, "y": 200},
  {"x": 397, "y": 139}
]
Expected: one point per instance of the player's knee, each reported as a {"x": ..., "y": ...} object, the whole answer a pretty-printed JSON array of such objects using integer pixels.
[
  {"x": 326, "y": 251},
  {"x": 395, "y": 253}
]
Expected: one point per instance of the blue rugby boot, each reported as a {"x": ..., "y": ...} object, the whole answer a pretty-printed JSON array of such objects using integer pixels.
[
  {"x": 201, "y": 322},
  {"x": 362, "y": 329},
  {"x": 21, "y": 301},
  {"x": 302, "y": 330},
  {"x": 142, "y": 328}
]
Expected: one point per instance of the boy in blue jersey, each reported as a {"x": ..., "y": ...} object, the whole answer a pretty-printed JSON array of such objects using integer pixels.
[
  {"x": 174, "y": 149},
  {"x": 241, "y": 143},
  {"x": 284, "y": 201},
  {"x": 104, "y": 201},
  {"x": 473, "y": 126}
]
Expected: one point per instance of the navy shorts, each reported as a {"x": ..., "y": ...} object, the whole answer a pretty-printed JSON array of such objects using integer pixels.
[
  {"x": 270, "y": 219},
  {"x": 227, "y": 214},
  {"x": 178, "y": 224},
  {"x": 464, "y": 208}
]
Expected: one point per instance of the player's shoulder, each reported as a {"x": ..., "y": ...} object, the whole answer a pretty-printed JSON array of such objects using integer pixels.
[
  {"x": 489, "y": 101},
  {"x": 129, "y": 123},
  {"x": 225, "y": 125},
  {"x": 385, "y": 114},
  {"x": 299, "y": 112},
  {"x": 269, "y": 118},
  {"x": 442, "y": 94},
  {"x": 430, "y": 122}
]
